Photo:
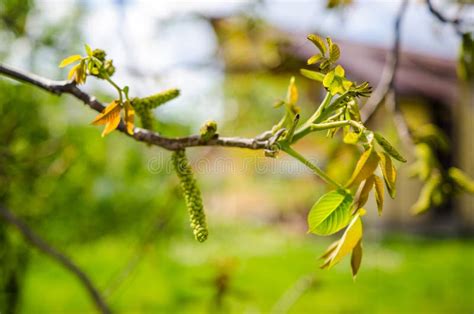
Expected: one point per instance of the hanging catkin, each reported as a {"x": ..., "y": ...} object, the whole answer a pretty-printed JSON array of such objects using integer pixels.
[{"x": 192, "y": 195}]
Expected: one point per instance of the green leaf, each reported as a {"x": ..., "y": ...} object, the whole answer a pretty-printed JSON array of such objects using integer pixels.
[
  {"x": 389, "y": 173},
  {"x": 334, "y": 53},
  {"x": 330, "y": 213},
  {"x": 67, "y": 61},
  {"x": 356, "y": 258},
  {"x": 365, "y": 167},
  {"x": 318, "y": 42},
  {"x": 349, "y": 240},
  {"x": 88, "y": 50},
  {"x": 461, "y": 179},
  {"x": 379, "y": 193},
  {"x": 388, "y": 148},
  {"x": 313, "y": 75}
]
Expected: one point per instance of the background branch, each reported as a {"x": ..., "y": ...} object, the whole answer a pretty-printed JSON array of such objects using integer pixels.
[
  {"x": 455, "y": 22},
  {"x": 59, "y": 257},
  {"x": 142, "y": 135},
  {"x": 387, "y": 81}
]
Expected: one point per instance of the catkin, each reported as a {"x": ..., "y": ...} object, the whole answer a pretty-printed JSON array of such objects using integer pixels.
[
  {"x": 192, "y": 195},
  {"x": 143, "y": 106},
  {"x": 156, "y": 100}
]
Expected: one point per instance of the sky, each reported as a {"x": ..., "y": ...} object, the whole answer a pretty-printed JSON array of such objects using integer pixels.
[{"x": 170, "y": 48}]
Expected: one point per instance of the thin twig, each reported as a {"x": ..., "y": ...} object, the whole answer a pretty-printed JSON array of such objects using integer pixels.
[
  {"x": 65, "y": 261},
  {"x": 455, "y": 22},
  {"x": 142, "y": 135},
  {"x": 387, "y": 81},
  {"x": 114, "y": 283},
  {"x": 293, "y": 294}
]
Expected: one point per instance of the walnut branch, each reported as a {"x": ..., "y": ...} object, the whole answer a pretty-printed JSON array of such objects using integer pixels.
[
  {"x": 142, "y": 135},
  {"x": 59, "y": 257},
  {"x": 387, "y": 81}
]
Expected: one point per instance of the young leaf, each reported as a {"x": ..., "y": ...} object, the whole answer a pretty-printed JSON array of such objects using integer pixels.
[
  {"x": 351, "y": 138},
  {"x": 334, "y": 53},
  {"x": 315, "y": 59},
  {"x": 129, "y": 118},
  {"x": 318, "y": 42},
  {"x": 73, "y": 71},
  {"x": 330, "y": 213},
  {"x": 347, "y": 243},
  {"x": 88, "y": 50},
  {"x": 461, "y": 180},
  {"x": 365, "y": 167},
  {"x": 364, "y": 193},
  {"x": 379, "y": 193},
  {"x": 292, "y": 95},
  {"x": 329, "y": 250},
  {"x": 389, "y": 173},
  {"x": 356, "y": 258},
  {"x": 67, "y": 61},
  {"x": 313, "y": 75},
  {"x": 328, "y": 79},
  {"x": 110, "y": 116},
  {"x": 424, "y": 202},
  {"x": 388, "y": 148}
]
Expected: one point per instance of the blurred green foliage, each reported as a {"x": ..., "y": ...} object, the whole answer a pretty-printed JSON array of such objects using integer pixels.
[
  {"x": 401, "y": 275},
  {"x": 99, "y": 201}
]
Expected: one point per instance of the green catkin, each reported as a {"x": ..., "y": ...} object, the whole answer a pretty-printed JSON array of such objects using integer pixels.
[
  {"x": 156, "y": 100},
  {"x": 143, "y": 106},
  {"x": 192, "y": 195}
]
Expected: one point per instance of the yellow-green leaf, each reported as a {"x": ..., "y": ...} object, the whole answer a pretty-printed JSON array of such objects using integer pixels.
[
  {"x": 425, "y": 200},
  {"x": 461, "y": 179},
  {"x": 67, "y": 61},
  {"x": 318, "y": 42},
  {"x": 313, "y": 75},
  {"x": 364, "y": 193},
  {"x": 356, "y": 258},
  {"x": 339, "y": 71},
  {"x": 314, "y": 59},
  {"x": 389, "y": 173},
  {"x": 328, "y": 79},
  {"x": 388, "y": 148},
  {"x": 365, "y": 167},
  {"x": 73, "y": 71},
  {"x": 347, "y": 243},
  {"x": 292, "y": 94},
  {"x": 329, "y": 250},
  {"x": 334, "y": 53},
  {"x": 379, "y": 193},
  {"x": 88, "y": 50},
  {"x": 330, "y": 213},
  {"x": 351, "y": 138}
]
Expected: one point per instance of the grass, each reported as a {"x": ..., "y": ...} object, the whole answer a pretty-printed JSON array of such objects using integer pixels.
[{"x": 400, "y": 274}]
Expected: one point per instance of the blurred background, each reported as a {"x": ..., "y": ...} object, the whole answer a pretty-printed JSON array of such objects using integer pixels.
[{"x": 114, "y": 205}]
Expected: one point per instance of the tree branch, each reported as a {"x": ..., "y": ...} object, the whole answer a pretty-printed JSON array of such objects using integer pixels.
[
  {"x": 59, "y": 257},
  {"x": 387, "y": 81},
  {"x": 455, "y": 22},
  {"x": 142, "y": 135}
]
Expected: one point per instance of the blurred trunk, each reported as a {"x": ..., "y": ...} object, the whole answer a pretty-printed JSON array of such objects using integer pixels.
[{"x": 464, "y": 117}]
